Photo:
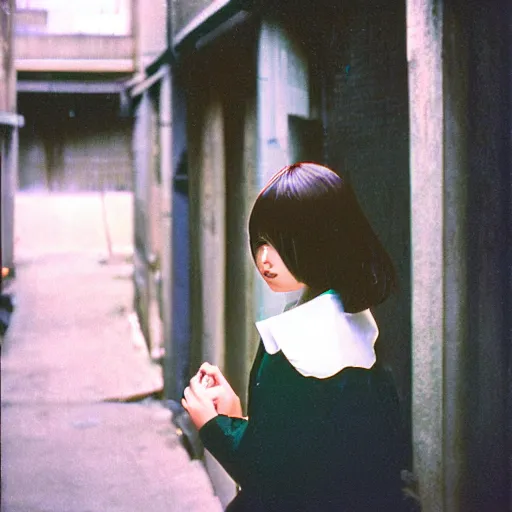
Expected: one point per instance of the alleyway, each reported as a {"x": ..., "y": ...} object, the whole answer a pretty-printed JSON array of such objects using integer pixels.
[{"x": 69, "y": 349}]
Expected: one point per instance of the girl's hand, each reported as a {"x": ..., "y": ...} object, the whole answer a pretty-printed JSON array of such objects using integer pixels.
[
  {"x": 218, "y": 389},
  {"x": 197, "y": 403}
]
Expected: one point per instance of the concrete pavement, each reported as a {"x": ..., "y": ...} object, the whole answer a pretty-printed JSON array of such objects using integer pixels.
[{"x": 70, "y": 348}]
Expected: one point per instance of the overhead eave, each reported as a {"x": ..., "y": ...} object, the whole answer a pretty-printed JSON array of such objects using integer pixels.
[
  {"x": 217, "y": 17},
  {"x": 217, "y": 13}
]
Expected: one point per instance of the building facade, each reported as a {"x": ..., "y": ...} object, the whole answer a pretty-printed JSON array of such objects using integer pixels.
[
  {"x": 10, "y": 122},
  {"x": 412, "y": 102},
  {"x": 72, "y": 60},
  {"x": 149, "y": 97}
]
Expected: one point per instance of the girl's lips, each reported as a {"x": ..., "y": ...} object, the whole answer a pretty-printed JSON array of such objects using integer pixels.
[{"x": 269, "y": 275}]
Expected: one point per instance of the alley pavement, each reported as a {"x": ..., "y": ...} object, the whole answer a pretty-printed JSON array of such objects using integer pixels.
[{"x": 69, "y": 354}]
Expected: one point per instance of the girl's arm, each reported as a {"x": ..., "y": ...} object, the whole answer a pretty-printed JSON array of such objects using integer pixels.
[
  {"x": 216, "y": 412},
  {"x": 222, "y": 437}
]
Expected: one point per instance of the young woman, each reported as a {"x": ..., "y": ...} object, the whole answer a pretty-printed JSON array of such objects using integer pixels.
[{"x": 322, "y": 432}]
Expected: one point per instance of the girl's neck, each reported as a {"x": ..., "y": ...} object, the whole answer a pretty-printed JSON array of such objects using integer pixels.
[{"x": 308, "y": 294}]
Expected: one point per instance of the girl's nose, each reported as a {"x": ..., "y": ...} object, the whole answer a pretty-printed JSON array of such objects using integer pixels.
[{"x": 264, "y": 255}]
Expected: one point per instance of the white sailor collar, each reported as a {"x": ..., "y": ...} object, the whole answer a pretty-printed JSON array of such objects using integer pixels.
[{"x": 320, "y": 339}]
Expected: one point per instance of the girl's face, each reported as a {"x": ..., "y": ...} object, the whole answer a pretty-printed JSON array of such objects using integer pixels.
[{"x": 274, "y": 271}]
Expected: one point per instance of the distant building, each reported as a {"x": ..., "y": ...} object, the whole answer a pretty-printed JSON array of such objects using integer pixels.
[
  {"x": 72, "y": 59},
  {"x": 10, "y": 122}
]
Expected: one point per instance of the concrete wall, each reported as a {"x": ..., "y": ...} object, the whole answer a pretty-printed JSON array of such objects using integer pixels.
[
  {"x": 8, "y": 172},
  {"x": 152, "y": 203},
  {"x": 221, "y": 110},
  {"x": 367, "y": 139},
  {"x": 358, "y": 60},
  {"x": 108, "y": 17},
  {"x": 143, "y": 166},
  {"x": 415, "y": 107},
  {"x": 9, "y": 123},
  {"x": 60, "y": 36},
  {"x": 7, "y": 69},
  {"x": 80, "y": 46},
  {"x": 220, "y": 87},
  {"x": 150, "y": 30},
  {"x": 489, "y": 269},
  {"x": 74, "y": 142},
  {"x": 459, "y": 72}
]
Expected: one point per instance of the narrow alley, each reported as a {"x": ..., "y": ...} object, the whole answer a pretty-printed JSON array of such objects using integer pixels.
[{"x": 70, "y": 351}]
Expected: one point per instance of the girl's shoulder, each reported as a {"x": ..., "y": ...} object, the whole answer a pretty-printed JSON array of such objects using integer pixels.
[
  {"x": 377, "y": 380},
  {"x": 374, "y": 383}
]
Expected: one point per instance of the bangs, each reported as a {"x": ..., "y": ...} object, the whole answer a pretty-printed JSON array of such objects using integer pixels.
[{"x": 286, "y": 206}]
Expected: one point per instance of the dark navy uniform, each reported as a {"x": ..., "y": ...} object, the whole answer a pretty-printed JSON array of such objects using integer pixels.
[{"x": 310, "y": 444}]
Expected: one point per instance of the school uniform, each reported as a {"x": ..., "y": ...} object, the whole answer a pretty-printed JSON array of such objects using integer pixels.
[{"x": 323, "y": 431}]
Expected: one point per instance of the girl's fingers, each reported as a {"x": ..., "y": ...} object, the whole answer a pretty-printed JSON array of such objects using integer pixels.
[
  {"x": 190, "y": 397},
  {"x": 210, "y": 369},
  {"x": 195, "y": 384},
  {"x": 198, "y": 390},
  {"x": 213, "y": 371},
  {"x": 213, "y": 393}
]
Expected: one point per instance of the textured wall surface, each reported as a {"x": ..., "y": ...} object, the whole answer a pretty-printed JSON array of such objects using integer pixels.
[
  {"x": 7, "y": 70},
  {"x": 74, "y": 142},
  {"x": 459, "y": 70},
  {"x": 366, "y": 127},
  {"x": 8, "y": 133}
]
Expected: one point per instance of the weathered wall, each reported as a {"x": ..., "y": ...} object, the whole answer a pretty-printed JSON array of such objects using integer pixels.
[
  {"x": 9, "y": 140},
  {"x": 151, "y": 31},
  {"x": 73, "y": 142},
  {"x": 50, "y": 46},
  {"x": 8, "y": 132},
  {"x": 489, "y": 226},
  {"x": 459, "y": 70},
  {"x": 367, "y": 139},
  {"x": 221, "y": 166},
  {"x": 358, "y": 49},
  {"x": 7, "y": 70},
  {"x": 143, "y": 167},
  {"x": 424, "y": 53}
]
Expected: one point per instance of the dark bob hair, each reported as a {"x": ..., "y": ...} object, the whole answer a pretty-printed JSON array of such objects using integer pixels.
[{"x": 311, "y": 216}]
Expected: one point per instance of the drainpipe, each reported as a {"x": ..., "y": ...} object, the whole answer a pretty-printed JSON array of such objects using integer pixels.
[{"x": 170, "y": 390}]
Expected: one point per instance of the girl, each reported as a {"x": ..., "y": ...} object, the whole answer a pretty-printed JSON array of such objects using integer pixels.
[{"x": 322, "y": 431}]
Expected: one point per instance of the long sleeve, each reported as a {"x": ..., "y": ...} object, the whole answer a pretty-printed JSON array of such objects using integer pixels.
[{"x": 222, "y": 436}]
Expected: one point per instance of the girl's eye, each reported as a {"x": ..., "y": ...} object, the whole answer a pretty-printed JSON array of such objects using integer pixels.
[{"x": 260, "y": 243}]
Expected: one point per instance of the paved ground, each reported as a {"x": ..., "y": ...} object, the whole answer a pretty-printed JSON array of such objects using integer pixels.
[{"x": 70, "y": 348}]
